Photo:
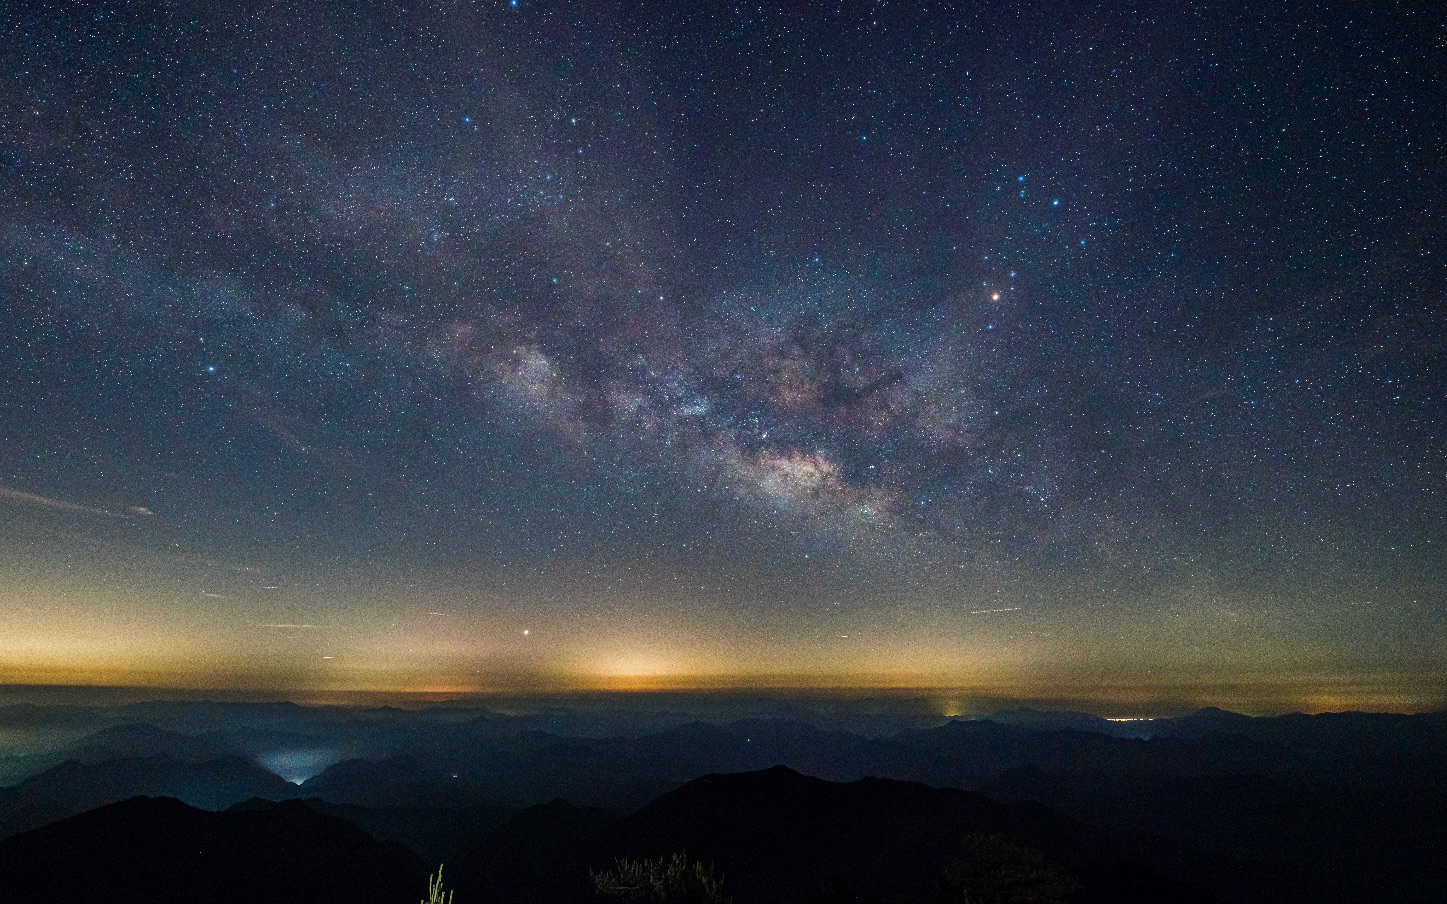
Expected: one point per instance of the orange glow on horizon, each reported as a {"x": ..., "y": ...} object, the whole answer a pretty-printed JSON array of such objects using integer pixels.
[{"x": 940, "y": 697}]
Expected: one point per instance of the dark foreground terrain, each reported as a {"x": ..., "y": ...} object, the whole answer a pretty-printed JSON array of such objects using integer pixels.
[
  {"x": 775, "y": 835},
  {"x": 159, "y": 849},
  {"x": 180, "y": 802}
]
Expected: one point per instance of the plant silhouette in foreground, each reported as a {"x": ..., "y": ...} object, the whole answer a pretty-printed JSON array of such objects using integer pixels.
[
  {"x": 991, "y": 870},
  {"x": 435, "y": 895},
  {"x": 665, "y": 880}
]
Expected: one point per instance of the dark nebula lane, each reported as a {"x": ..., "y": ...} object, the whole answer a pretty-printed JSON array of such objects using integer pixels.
[{"x": 1035, "y": 351}]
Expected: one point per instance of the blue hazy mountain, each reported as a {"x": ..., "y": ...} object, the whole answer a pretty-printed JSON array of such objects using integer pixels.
[{"x": 74, "y": 787}]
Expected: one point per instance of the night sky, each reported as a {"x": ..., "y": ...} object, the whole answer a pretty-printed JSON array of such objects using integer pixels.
[{"x": 1068, "y": 351}]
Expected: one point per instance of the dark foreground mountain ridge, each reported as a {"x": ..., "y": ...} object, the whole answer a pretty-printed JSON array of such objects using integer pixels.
[
  {"x": 1327, "y": 809},
  {"x": 161, "y": 850},
  {"x": 777, "y": 836}
]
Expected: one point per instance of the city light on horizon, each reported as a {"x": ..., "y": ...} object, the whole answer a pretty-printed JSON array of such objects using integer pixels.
[{"x": 556, "y": 352}]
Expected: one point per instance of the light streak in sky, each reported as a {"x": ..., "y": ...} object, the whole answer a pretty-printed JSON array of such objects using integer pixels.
[{"x": 35, "y": 500}]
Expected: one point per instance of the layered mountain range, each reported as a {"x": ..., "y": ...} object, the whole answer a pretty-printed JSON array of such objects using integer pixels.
[{"x": 1296, "y": 808}]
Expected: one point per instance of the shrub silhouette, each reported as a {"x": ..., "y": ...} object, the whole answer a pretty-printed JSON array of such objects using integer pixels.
[
  {"x": 675, "y": 880},
  {"x": 991, "y": 870}
]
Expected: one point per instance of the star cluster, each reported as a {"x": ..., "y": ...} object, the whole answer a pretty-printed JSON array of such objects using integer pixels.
[{"x": 1038, "y": 345}]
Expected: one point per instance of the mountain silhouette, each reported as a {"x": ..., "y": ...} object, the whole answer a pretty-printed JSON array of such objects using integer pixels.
[
  {"x": 159, "y": 850},
  {"x": 435, "y": 833},
  {"x": 777, "y": 836},
  {"x": 394, "y": 782},
  {"x": 134, "y": 740},
  {"x": 1326, "y": 809},
  {"x": 1025, "y": 717},
  {"x": 1205, "y": 722},
  {"x": 72, "y": 788},
  {"x": 541, "y": 855}
]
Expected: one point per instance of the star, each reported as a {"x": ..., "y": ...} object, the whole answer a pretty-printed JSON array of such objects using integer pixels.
[{"x": 633, "y": 396}]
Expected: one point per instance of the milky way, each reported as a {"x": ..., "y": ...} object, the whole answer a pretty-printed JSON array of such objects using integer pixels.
[{"x": 1036, "y": 345}]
